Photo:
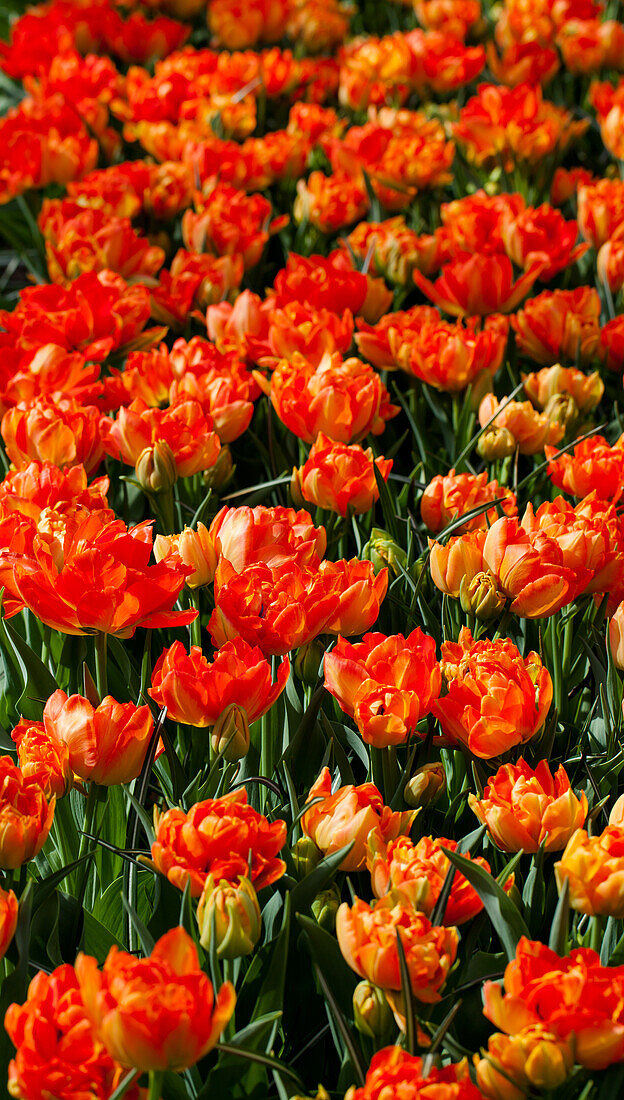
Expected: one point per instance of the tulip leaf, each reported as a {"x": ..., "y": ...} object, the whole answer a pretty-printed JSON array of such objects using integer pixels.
[
  {"x": 147, "y": 940},
  {"x": 304, "y": 893},
  {"x": 38, "y": 682},
  {"x": 610, "y": 1083},
  {"x": 504, "y": 916},
  {"x": 558, "y": 939},
  {"x": 408, "y": 1003},
  {"x": 387, "y": 505},
  {"x": 125, "y": 1084}
]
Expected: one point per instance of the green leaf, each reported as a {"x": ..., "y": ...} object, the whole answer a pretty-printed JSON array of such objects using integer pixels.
[
  {"x": 304, "y": 893},
  {"x": 387, "y": 506},
  {"x": 558, "y": 940},
  {"x": 507, "y": 921},
  {"x": 38, "y": 682},
  {"x": 408, "y": 1004}
]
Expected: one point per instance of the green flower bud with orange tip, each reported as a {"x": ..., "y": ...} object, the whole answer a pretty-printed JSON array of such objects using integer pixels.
[
  {"x": 306, "y": 856},
  {"x": 230, "y": 912},
  {"x": 562, "y": 409},
  {"x": 495, "y": 443},
  {"x": 426, "y": 785},
  {"x": 325, "y": 906},
  {"x": 230, "y": 733},
  {"x": 479, "y": 596},
  {"x": 372, "y": 1014},
  {"x": 383, "y": 551},
  {"x": 156, "y": 469}
]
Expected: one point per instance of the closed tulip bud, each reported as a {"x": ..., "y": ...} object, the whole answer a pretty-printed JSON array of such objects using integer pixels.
[
  {"x": 562, "y": 409},
  {"x": 479, "y": 596},
  {"x": 232, "y": 911},
  {"x": 156, "y": 469},
  {"x": 308, "y": 662},
  {"x": 295, "y": 488},
  {"x": 384, "y": 552},
  {"x": 495, "y": 443},
  {"x": 306, "y": 856},
  {"x": 426, "y": 785},
  {"x": 372, "y": 1014},
  {"x": 218, "y": 476},
  {"x": 322, "y": 1094},
  {"x": 230, "y": 733},
  {"x": 325, "y": 906}
]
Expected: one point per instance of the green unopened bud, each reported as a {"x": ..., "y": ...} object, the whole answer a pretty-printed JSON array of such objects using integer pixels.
[
  {"x": 562, "y": 409},
  {"x": 231, "y": 913},
  {"x": 480, "y": 596},
  {"x": 426, "y": 785},
  {"x": 371, "y": 1012},
  {"x": 496, "y": 443},
  {"x": 308, "y": 662},
  {"x": 306, "y": 856},
  {"x": 230, "y": 733},
  {"x": 325, "y": 906},
  {"x": 222, "y": 472},
  {"x": 156, "y": 469},
  {"x": 384, "y": 552},
  {"x": 295, "y": 488}
]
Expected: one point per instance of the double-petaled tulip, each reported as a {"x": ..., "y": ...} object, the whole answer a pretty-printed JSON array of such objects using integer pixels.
[
  {"x": 530, "y": 429},
  {"x": 600, "y": 210},
  {"x": 414, "y": 874},
  {"x": 452, "y": 495},
  {"x": 273, "y": 536},
  {"x": 43, "y": 756},
  {"x": 338, "y": 477},
  {"x": 25, "y": 816},
  {"x": 594, "y": 869},
  {"x": 234, "y": 909},
  {"x": 367, "y": 937},
  {"x": 361, "y": 592},
  {"x": 155, "y": 1013},
  {"x": 58, "y": 430},
  {"x": 457, "y": 562},
  {"x": 530, "y": 569},
  {"x": 195, "y": 549},
  {"x": 514, "y": 1065},
  {"x": 541, "y": 236},
  {"x": 560, "y": 324},
  {"x": 42, "y": 486},
  {"x": 476, "y": 285},
  {"x": 183, "y": 426},
  {"x": 218, "y": 837},
  {"x": 593, "y": 467},
  {"x": 586, "y": 390},
  {"x": 451, "y": 356},
  {"x": 349, "y": 814},
  {"x": 524, "y": 808},
  {"x": 386, "y": 683},
  {"x": 107, "y": 744},
  {"x": 496, "y": 698},
  {"x": 197, "y": 692},
  {"x": 574, "y": 998},
  {"x": 394, "y": 1072}
]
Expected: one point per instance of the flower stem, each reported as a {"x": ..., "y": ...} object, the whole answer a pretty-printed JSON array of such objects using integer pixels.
[
  {"x": 156, "y": 1078},
  {"x": 100, "y": 664},
  {"x": 196, "y": 624}
]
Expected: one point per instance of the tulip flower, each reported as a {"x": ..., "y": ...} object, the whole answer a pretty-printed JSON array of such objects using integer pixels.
[
  {"x": 395, "y": 1072},
  {"x": 560, "y": 324},
  {"x": 57, "y": 430},
  {"x": 44, "y": 756},
  {"x": 473, "y": 284},
  {"x": 514, "y": 1065},
  {"x": 360, "y": 592},
  {"x": 183, "y": 426},
  {"x": 594, "y": 869},
  {"x": 155, "y": 1013},
  {"x": 107, "y": 744},
  {"x": 8, "y": 919},
  {"x": 271, "y": 536},
  {"x": 25, "y": 816},
  {"x": 339, "y": 478},
  {"x": 593, "y": 467},
  {"x": 195, "y": 549},
  {"x": 524, "y": 808},
  {"x": 234, "y": 909},
  {"x": 452, "y": 495}
]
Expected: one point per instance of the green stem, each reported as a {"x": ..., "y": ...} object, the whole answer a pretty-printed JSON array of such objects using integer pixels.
[
  {"x": 85, "y": 867},
  {"x": 156, "y": 1079},
  {"x": 389, "y": 771},
  {"x": 596, "y": 932},
  {"x": 196, "y": 624},
  {"x": 101, "y": 641}
]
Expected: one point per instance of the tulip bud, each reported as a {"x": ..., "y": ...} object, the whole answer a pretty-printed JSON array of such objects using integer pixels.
[
  {"x": 306, "y": 856},
  {"x": 384, "y": 552},
  {"x": 495, "y": 443},
  {"x": 479, "y": 596},
  {"x": 230, "y": 733},
  {"x": 426, "y": 785},
  {"x": 371, "y": 1012},
  {"x": 325, "y": 906},
  {"x": 218, "y": 475},
  {"x": 308, "y": 662},
  {"x": 562, "y": 409},
  {"x": 295, "y": 488},
  {"x": 156, "y": 469},
  {"x": 233, "y": 910}
]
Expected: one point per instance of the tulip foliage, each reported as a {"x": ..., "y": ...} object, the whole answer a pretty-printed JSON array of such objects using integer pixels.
[{"x": 311, "y": 550}]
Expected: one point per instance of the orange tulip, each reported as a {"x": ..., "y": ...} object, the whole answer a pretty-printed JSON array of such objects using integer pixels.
[
  {"x": 197, "y": 692},
  {"x": 530, "y": 429},
  {"x": 593, "y": 467},
  {"x": 360, "y": 594},
  {"x": 515, "y": 1065},
  {"x": 218, "y": 837},
  {"x": 331, "y": 283},
  {"x": 496, "y": 698},
  {"x": 386, "y": 684},
  {"x": 451, "y": 356},
  {"x": 524, "y": 808},
  {"x": 601, "y": 210},
  {"x": 586, "y": 390},
  {"x": 379, "y": 343},
  {"x": 183, "y": 426},
  {"x": 274, "y": 536},
  {"x": 457, "y": 562},
  {"x": 330, "y": 203},
  {"x": 594, "y": 869},
  {"x": 616, "y": 636},
  {"x": 59, "y": 431},
  {"x": 589, "y": 537},
  {"x": 107, "y": 744},
  {"x": 473, "y": 284},
  {"x": 394, "y": 1072},
  {"x": 228, "y": 221},
  {"x": 542, "y": 236},
  {"x": 339, "y": 478},
  {"x": 560, "y": 324},
  {"x": 81, "y": 239},
  {"x": 195, "y": 549},
  {"x": 367, "y": 938},
  {"x": 349, "y": 814},
  {"x": 530, "y": 569},
  {"x": 43, "y": 486},
  {"x": 396, "y": 250},
  {"x": 155, "y": 1013},
  {"x": 452, "y": 495},
  {"x": 44, "y": 757},
  {"x": 25, "y": 816},
  {"x": 8, "y": 919}
]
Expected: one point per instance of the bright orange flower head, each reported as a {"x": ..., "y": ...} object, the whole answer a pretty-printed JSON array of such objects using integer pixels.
[
  {"x": 59, "y": 430},
  {"x": 339, "y": 478},
  {"x": 43, "y": 756},
  {"x": 496, "y": 698},
  {"x": 44, "y": 142},
  {"x": 394, "y": 249},
  {"x": 593, "y": 467},
  {"x": 566, "y": 182},
  {"x": 43, "y": 486},
  {"x": 274, "y": 536},
  {"x": 58, "y": 1053},
  {"x": 594, "y": 869},
  {"x": 367, "y": 938},
  {"x": 360, "y": 592},
  {"x": 522, "y": 63},
  {"x": 8, "y": 919},
  {"x": 88, "y": 239},
  {"x": 451, "y": 356},
  {"x": 195, "y": 549},
  {"x": 560, "y": 324},
  {"x": 25, "y": 815},
  {"x": 531, "y": 430},
  {"x": 457, "y": 562},
  {"x": 452, "y": 495},
  {"x": 197, "y": 692},
  {"x": 46, "y": 371},
  {"x": 350, "y": 814},
  {"x": 601, "y": 210},
  {"x": 589, "y": 536},
  {"x": 331, "y": 283},
  {"x": 541, "y": 236},
  {"x": 107, "y": 744},
  {"x": 344, "y": 399},
  {"x": 183, "y": 426},
  {"x": 380, "y": 343},
  {"x": 330, "y": 203},
  {"x": 216, "y": 838},
  {"x": 394, "y": 1072},
  {"x": 386, "y": 684},
  {"x": 574, "y": 997},
  {"x": 102, "y": 581},
  {"x": 530, "y": 569},
  {"x": 227, "y": 222},
  {"x": 192, "y": 282},
  {"x": 525, "y": 807},
  {"x": 414, "y": 874},
  {"x": 586, "y": 390},
  {"x": 155, "y": 1013},
  {"x": 612, "y": 344},
  {"x": 515, "y": 1065},
  {"x": 478, "y": 284}
]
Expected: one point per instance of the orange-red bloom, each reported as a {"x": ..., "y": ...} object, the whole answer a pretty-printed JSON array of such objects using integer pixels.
[
  {"x": 8, "y": 919},
  {"x": 593, "y": 467},
  {"x": 183, "y": 426},
  {"x": 451, "y": 356},
  {"x": 594, "y": 870},
  {"x": 586, "y": 390},
  {"x": 496, "y": 698},
  {"x": 218, "y": 837},
  {"x": 560, "y": 324},
  {"x": 530, "y": 568},
  {"x": 274, "y": 536},
  {"x": 394, "y": 1072},
  {"x": 43, "y": 756},
  {"x": 531, "y": 430},
  {"x": 525, "y": 807},
  {"x": 59, "y": 430},
  {"x": 452, "y": 495},
  {"x": 541, "y": 236},
  {"x": 197, "y": 692},
  {"x": 478, "y": 284},
  {"x": 360, "y": 593},
  {"x": 386, "y": 683},
  {"x": 158, "y": 1012},
  {"x": 25, "y": 815},
  {"x": 350, "y": 814},
  {"x": 107, "y": 744},
  {"x": 338, "y": 477}
]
